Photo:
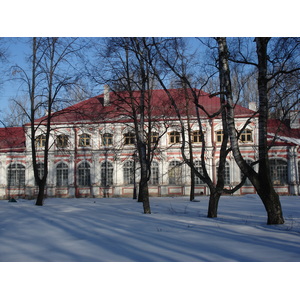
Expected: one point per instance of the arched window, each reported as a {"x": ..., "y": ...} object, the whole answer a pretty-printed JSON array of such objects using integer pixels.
[
  {"x": 174, "y": 137},
  {"x": 128, "y": 172},
  {"x": 107, "y": 174},
  {"x": 16, "y": 175},
  {"x": 279, "y": 171},
  {"x": 84, "y": 174},
  {"x": 107, "y": 139},
  {"x": 175, "y": 172},
  {"x": 154, "y": 178},
  {"x": 40, "y": 141},
  {"x": 62, "y": 174},
  {"x": 85, "y": 140},
  {"x": 198, "y": 167}
]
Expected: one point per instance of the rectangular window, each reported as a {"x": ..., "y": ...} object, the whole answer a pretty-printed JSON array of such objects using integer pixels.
[
  {"x": 129, "y": 172},
  {"x": 40, "y": 141},
  {"x": 219, "y": 136},
  {"x": 107, "y": 139},
  {"x": 106, "y": 174},
  {"x": 154, "y": 174},
  {"x": 62, "y": 174},
  {"x": 16, "y": 175},
  {"x": 154, "y": 137},
  {"x": 198, "y": 167},
  {"x": 174, "y": 137},
  {"x": 175, "y": 173},
  {"x": 62, "y": 141},
  {"x": 279, "y": 171},
  {"x": 246, "y": 136},
  {"x": 129, "y": 139},
  {"x": 196, "y": 137},
  {"x": 84, "y": 140}
]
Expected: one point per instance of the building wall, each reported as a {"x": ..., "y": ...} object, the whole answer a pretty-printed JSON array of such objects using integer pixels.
[{"x": 118, "y": 154}]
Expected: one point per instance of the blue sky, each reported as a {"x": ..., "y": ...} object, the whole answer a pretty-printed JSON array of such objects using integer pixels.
[{"x": 17, "y": 50}]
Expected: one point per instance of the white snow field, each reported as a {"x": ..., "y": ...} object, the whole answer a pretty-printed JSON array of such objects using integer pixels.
[{"x": 116, "y": 230}]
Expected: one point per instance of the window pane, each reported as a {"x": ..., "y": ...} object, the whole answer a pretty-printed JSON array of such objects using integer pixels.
[
  {"x": 174, "y": 137},
  {"x": 40, "y": 141},
  {"x": 246, "y": 136},
  {"x": 106, "y": 174},
  {"x": 84, "y": 140},
  {"x": 154, "y": 178},
  {"x": 154, "y": 137},
  {"x": 107, "y": 139},
  {"x": 175, "y": 173},
  {"x": 198, "y": 167},
  {"x": 196, "y": 138},
  {"x": 84, "y": 177},
  {"x": 219, "y": 136},
  {"x": 279, "y": 171},
  {"x": 62, "y": 174},
  {"x": 62, "y": 141},
  {"x": 16, "y": 175},
  {"x": 128, "y": 172},
  {"x": 129, "y": 139}
]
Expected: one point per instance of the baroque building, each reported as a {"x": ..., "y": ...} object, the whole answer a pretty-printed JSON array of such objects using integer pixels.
[{"x": 93, "y": 150}]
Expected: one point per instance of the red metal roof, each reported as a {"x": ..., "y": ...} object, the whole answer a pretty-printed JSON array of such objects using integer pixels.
[
  {"x": 281, "y": 128},
  {"x": 12, "y": 139},
  {"x": 119, "y": 108}
]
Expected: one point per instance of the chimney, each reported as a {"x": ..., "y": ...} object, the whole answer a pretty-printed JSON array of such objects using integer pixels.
[
  {"x": 294, "y": 117},
  {"x": 252, "y": 106},
  {"x": 106, "y": 95}
]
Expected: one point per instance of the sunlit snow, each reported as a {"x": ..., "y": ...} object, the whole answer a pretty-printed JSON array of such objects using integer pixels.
[{"x": 116, "y": 230}]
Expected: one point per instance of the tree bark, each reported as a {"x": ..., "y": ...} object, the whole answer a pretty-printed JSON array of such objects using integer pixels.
[
  {"x": 262, "y": 180},
  {"x": 267, "y": 192},
  {"x": 213, "y": 204},
  {"x": 41, "y": 193}
]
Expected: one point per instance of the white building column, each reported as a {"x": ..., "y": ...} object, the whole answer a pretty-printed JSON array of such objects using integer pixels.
[{"x": 293, "y": 175}]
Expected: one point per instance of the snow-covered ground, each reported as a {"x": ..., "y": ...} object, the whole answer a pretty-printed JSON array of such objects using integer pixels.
[{"x": 116, "y": 230}]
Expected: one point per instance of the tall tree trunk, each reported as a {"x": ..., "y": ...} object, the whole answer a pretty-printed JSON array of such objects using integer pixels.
[
  {"x": 192, "y": 192},
  {"x": 143, "y": 184},
  {"x": 213, "y": 204},
  {"x": 144, "y": 196},
  {"x": 267, "y": 192},
  {"x": 261, "y": 181},
  {"x": 139, "y": 129},
  {"x": 41, "y": 193}
]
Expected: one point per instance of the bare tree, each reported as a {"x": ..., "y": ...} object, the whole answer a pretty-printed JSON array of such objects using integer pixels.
[
  {"x": 175, "y": 61},
  {"x": 126, "y": 71},
  {"x": 52, "y": 71},
  {"x": 261, "y": 179}
]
